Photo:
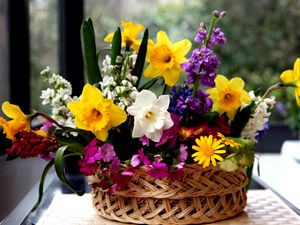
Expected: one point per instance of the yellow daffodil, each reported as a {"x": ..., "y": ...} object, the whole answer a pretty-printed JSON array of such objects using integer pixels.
[
  {"x": 228, "y": 141},
  {"x": 293, "y": 76},
  {"x": 165, "y": 58},
  {"x": 95, "y": 113},
  {"x": 228, "y": 96},
  {"x": 19, "y": 120},
  {"x": 129, "y": 35},
  {"x": 207, "y": 150}
]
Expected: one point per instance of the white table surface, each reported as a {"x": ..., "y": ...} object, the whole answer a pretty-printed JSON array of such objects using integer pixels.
[{"x": 281, "y": 172}]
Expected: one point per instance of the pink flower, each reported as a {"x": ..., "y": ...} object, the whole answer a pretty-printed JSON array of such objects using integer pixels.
[
  {"x": 92, "y": 153},
  {"x": 144, "y": 158},
  {"x": 88, "y": 169},
  {"x": 46, "y": 125},
  {"x": 183, "y": 153},
  {"x": 144, "y": 140},
  {"x": 135, "y": 161},
  {"x": 107, "y": 152},
  {"x": 159, "y": 170},
  {"x": 114, "y": 166},
  {"x": 47, "y": 156},
  {"x": 170, "y": 135}
]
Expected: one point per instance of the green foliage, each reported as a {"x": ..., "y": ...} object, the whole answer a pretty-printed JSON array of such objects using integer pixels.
[
  {"x": 116, "y": 46},
  {"x": 89, "y": 52},
  {"x": 140, "y": 61}
]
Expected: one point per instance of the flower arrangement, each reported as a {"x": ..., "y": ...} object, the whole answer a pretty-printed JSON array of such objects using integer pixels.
[{"x": 161, "y": 121}]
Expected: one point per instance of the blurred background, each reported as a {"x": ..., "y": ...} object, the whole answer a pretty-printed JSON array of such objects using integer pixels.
[{"x": 263, "y": 40}]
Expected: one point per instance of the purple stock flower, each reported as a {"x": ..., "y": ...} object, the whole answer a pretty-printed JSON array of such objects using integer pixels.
[
  {"x": 204, "y": 63},
  {"x": 200, "y": 37},
  {"x": 217, "y": 37},
  {"x": 107, "y": 152},
  {"x": 182, "y": 101}
]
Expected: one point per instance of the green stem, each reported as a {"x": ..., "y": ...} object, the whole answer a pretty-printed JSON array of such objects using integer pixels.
[
  {"x": 272, "y": 88},
  {"x": 125, "y": 64},
  {"x": 196, "y": 86}
]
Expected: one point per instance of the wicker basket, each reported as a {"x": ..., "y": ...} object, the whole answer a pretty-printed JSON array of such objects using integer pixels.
[{"x": 202, "y": 196}]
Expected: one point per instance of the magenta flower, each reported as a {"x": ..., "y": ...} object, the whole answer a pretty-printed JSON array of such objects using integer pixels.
[
  {"x": 88, "y": 169},
  {"x": 144, "y": 158},
  {"x": 107, "y": 152},
  {"x": 92, "y": 153},
  {"x": 159, "y": 170},
  {"x": 135, "y": 160},
  {"x": 183, "y": 153},
  {"x": 46, "y": 125},
  {"x": 144, "y": 140},
  {"x": 114, "y": 166},
  {"x": 170, "y": 135}
]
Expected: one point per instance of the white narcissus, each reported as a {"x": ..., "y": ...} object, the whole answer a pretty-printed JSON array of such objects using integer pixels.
[{"x": 151, "y": 115}]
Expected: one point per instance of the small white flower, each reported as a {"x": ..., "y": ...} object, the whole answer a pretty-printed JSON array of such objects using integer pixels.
[{"x": 150, "y": 115}]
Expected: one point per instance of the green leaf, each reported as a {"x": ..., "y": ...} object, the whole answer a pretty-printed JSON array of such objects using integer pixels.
[
  {"x": 140, "y": 60},
  {"x": 59, "y": 167},
  {"x": 89, "y": 52},
  {"x": 240, "y": 120},
  {"x": 116, "y": 46},
  {"x": 41, "y": 185}
]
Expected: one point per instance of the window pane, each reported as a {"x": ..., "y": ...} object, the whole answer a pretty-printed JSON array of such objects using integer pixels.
[
  {"x": 43, "y": 44},
  {"x": 4, "y": 87}
]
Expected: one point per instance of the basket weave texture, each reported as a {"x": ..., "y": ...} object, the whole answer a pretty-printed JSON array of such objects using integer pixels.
[{"x": 202, "y": 196}]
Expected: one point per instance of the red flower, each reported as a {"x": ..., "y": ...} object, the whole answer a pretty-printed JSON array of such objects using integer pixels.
[{"x": 30, "y": 144}]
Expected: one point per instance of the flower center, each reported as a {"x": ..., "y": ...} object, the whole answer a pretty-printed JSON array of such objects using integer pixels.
[
  {"x": 96, "y": 114},
  {"x": 149, "y": 115},
  {"x": 230, "y": 99},
  {"x": 162, "y": 57},
  {"x": 208, "y": 151}
]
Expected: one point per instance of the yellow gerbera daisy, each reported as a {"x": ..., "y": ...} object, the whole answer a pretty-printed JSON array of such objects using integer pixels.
[
  {"x": 293, "y": 76},
  {"x": 95, "y": 113},
  {"x": 129, "y": 35},
  {"x": 208, "y": 149},
  {"x": 19, "y": 120},
  {"x": 165, "y": 58},
  {"x": 228, "y": 141},
  {"x": 228, "y": 96}
]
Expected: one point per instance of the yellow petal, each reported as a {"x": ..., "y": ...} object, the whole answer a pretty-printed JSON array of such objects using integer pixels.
[
  {"x": 162, "y": 38},
  {"x": 212, "y": 158},
  {"x": 245, "y": 97},
  {"x": 297, "y": 96},
  {"x": 102, "y": 134},
  {"x": 151, "y": 72},
  {"x": 236, "y": 84},
  {"x": 297, "y": 66},
  {"x": 221, "y": 82},
  {"x": 117, "y": 115},
  {"x": 109, "y": 37},
  {"x": 231, "y": 114},
  {"x": 218, "y": 157},
  {"x": 206, "y": 163},
  {"x": 171, "y": 76},
  {"x": 90, "y": 93},
  {"x": 12, "y": 111},
  {"x": 181, "y": 48},
  {"x": 287, "y": 76}
]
